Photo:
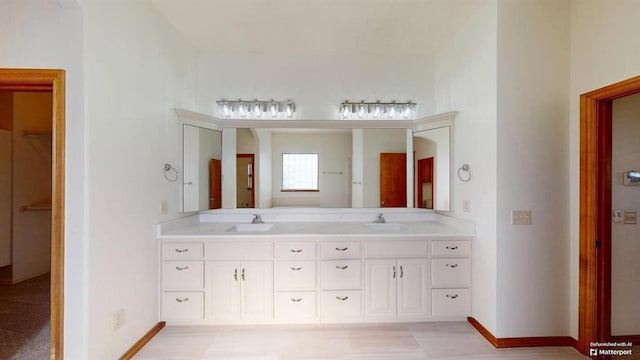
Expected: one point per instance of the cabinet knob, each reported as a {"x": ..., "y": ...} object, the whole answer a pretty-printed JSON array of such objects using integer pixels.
[
  {"x": 454, "y": 296},
  {"x": 342, "y": 298},
  {"x": 342, "y": 267}
]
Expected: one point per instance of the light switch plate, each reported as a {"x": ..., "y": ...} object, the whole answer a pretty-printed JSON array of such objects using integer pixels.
[
  {"x": 630, "y": 216},
  {"x": 616, "y": 215},
  {"x": 520, "y": 217}
]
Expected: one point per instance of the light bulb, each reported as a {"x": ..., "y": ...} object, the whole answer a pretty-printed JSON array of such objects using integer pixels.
[
  {"x": 377, "y": 109},
  {"x": 242, "y": 110},
  {"x": 226, "y": 110},
  {"x": 392, "y": 111},
  {"x": 346, "y": 111},
  {"x": 257, "y": 111},
  {"x": 273, "y": 109},
  {"x": 407, "y": 112},
  {"x": 361, "y": 110},
  {"x": 289, "y": 109}
]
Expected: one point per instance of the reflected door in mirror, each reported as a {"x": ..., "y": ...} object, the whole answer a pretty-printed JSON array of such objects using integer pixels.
[
  {"x": 393, "y": 179},
  {"x": 215, "y": 184},
  {"x": 425, "y": 183}
]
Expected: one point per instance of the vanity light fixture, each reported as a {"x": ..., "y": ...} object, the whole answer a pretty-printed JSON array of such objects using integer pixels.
[
  {"x": 257, "y": 109},
  {"x": 377, "y": 110}
]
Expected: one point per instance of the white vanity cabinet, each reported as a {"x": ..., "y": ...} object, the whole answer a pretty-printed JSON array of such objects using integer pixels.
[
  {"x": 341, "y": 279},
  {"x": 182, "y": 282},
  {"x": 296, "y": 281},
  {"x": 450, "y": 278},
  {"x": 239, "y": 281}
]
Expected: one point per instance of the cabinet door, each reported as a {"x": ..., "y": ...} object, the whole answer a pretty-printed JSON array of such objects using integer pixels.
[
  {"x": 412, "y": 287},
  {"x": 380, "y": 288},
  {"x": 257, "y": 290},
  {"x": 223, "y": 290}
]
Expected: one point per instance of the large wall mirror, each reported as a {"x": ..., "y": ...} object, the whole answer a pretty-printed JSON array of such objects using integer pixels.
[
  {"x": 201, "y": 168},
  {"x": 334, "y": 167}
]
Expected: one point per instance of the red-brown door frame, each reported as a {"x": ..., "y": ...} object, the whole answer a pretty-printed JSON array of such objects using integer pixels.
[{"x": 595, "y": 210}]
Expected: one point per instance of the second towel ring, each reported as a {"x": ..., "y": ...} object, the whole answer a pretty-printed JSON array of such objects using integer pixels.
[{"x": 464, "y": 173}]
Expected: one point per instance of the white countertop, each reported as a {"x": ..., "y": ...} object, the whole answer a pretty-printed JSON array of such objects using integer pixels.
[{"x": 433, "y": 226}]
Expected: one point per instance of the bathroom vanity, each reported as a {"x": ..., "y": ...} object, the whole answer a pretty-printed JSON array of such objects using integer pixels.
[{"x": 314, "y": 266}]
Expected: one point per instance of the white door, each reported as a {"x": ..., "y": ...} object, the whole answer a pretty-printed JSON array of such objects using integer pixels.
[
  {"x": 223, "y": 290},
  {"x": 257, "y": 290},
  {"x": 412, "y": 296},
  {"x": 380, "y": 288}
]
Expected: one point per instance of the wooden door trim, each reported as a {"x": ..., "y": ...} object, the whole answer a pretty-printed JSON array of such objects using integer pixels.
[
  {"x": 594, "y": 304},
  {"x": 253, "y": 176},
  {"x": 41, "y": 80}
]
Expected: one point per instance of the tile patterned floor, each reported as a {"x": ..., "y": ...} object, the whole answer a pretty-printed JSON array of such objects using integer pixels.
[{"x": 433, "y": 341}]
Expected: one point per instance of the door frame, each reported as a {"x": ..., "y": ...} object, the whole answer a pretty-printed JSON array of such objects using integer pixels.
[
  {"x": 594, "y": 304},
  {"x": 252, "y": 158},
  {"x": 50, "y": 80}
]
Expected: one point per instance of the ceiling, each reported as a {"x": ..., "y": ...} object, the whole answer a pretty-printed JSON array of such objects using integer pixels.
[{"x": 318, "y": 27}]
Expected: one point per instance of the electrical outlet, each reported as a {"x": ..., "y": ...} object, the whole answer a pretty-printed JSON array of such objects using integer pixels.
[
  {"x": 118, "y": 320},
  {"x": 164, "y": 207},
  {"x": 466, "y": 205},
  {"x": 520, "y": 217}
]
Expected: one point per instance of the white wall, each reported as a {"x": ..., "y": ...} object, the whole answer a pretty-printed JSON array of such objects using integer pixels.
[
  {"x": 333, "y": 150},
  {"x": 532, "y": 173},
  {"x": 625, "y": 268},
  {"x": 605, "y": 49},
  {"x": 465, "y": 81},
  {"x": 41, "y": 34},
  {"x": 138, "y": 69}
]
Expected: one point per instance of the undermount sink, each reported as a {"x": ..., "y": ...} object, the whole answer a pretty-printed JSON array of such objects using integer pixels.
[
  {"x": 251, "y": 227},
  {"x": 386, "y": 227}
]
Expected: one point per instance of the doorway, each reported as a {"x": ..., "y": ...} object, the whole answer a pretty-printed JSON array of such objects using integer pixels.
[
  {"x": 393, "y": 180},
  {"x": 424, "y": 183},
  {"x": 245, "y": 177},
  {"x": 596, "y": 132},
  {"x": 53, "y": 81}
]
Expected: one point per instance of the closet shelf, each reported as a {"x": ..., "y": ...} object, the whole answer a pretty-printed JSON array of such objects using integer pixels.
[
  {"x": 36, "y": 207},
  {"x": 35, "y": 133}
]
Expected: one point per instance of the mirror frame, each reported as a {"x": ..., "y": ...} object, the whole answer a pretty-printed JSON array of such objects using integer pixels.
[{"x": 425, "y": 123}]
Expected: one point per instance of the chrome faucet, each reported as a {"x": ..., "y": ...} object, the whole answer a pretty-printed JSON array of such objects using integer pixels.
[
  {"x": 257, "y": 219},
  {"x": 380, "y": 219}
]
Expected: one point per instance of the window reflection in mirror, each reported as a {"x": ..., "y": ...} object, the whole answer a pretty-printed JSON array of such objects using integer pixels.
[
  {"x": 201, "y": 168},
  {"x": 432, "y": 164}
]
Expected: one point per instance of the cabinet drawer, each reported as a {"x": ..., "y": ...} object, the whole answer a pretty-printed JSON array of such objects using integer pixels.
[
  {"x": 182, "y": 275},
  {"x": 296, "y": 250},
  {"x": 341, "y": 275},
  {"x": 296, "y": 306},
  {"x": 450, "y": 248},
  {"x": 450, "y": 273},
  {"x": 450, "y": 302},
  {"x": 182, "y": 251},
  {"x": 341, "y": 305},
  {"x": 292, "y": 275},
  {"x": 336, "y": 250},
  {"x": 396, "y": 249},
  {"x": 182, "y": 306},
  {"x": 239, "y": 250}
]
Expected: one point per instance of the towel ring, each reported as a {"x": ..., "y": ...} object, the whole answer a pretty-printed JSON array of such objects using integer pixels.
[
  {"x": 170, "y": 173},
  {"x": 464, "y": 173}
]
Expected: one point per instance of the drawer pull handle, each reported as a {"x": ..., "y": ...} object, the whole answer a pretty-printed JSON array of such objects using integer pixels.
[
  {"x": 242, "y": 274},
  {"x": 296, "y": 250},
  {"x": 182, "y": 300},
  {"x": 394, "y": 272},
  {"x": 342, "y": 249},
  {"x": 296, "y": 268},
  {"x": 342, "y": 298},
  {"x": 342, "y": 267},
  {"x": 452, "y": 296},
  {"x": 182, "y": 250},
  {"x": 451, "y": 248},
  {"x": 235, "y": 274},
  {"x": 452, "y": 265},
  {"x": 180, "y": 268},
  {"x": 296, "y": 300},
  {"x": 401, "y": 272}
]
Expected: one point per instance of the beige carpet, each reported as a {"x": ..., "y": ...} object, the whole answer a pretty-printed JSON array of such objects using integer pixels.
[{"x": 24, "y": 319}]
